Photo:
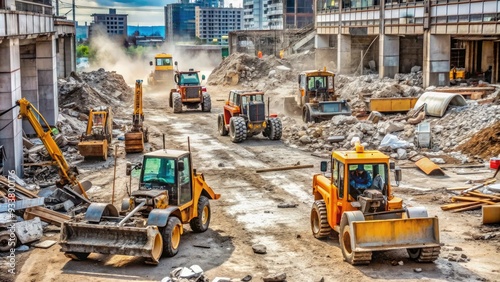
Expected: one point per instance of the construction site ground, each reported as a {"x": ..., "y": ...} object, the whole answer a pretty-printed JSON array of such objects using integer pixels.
[{"x": 247, "y": 213}]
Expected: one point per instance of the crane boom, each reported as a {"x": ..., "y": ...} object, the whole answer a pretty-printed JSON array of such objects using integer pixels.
[{"x": 66, "y": 173}]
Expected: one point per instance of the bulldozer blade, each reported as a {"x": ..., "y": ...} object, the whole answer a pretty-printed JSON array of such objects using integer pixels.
[
  {"x": 93, "y": 148},
  {"x": 390, "y": 234},
  {"x": 111, "y": 239},
  {"x": 134, "y": 142}
]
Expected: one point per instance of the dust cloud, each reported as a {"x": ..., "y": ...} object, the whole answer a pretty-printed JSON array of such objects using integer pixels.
[{"x": 111, "y": 55}]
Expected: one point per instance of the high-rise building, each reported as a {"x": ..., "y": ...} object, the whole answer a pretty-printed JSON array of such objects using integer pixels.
[
  {"x": 114, "y": 24},
  {"x": 277, "y": 14},
  {"x": 180, "y": 24},
  {"x": 214, "y": 24}
]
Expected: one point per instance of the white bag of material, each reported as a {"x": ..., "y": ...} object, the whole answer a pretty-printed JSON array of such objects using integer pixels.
[{"x": 393, "y": 142}]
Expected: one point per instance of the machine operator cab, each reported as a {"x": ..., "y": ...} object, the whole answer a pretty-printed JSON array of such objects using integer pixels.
[{"x": 167, "y": 170}]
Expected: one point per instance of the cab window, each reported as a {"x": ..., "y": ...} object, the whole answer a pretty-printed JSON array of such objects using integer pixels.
[{"x": 185, "y": 181}]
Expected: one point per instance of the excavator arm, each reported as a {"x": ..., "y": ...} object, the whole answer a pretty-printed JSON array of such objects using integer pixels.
[
  {"x": 66, "y": 173},
  {"x": 138, "y": 100}
]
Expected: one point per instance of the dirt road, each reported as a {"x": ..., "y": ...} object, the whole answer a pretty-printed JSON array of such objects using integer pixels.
[{"x": 248, "y": 213}]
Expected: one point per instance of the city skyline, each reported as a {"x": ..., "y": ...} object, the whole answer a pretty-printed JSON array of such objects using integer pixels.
[{"x": 140, "y": 13}]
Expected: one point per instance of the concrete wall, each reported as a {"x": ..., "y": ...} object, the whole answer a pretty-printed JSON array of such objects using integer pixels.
[
  {"x": 370, "y": 52},
  {"x": 47, "y": 78},
  {"x": 436, "y": 68}
]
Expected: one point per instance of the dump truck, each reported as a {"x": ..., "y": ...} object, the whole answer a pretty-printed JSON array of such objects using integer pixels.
[
  {"x": 163, "y": 72},
  {"x": 245, "y": 116},
  {"x": 97, "y": 137},
  {"x": 171, "y": 193},
  {"x": 316, "y": 97},
  {"x": 138, "y": 134},
  {"x": 189, "y": 92},
  {"x": 368, "y": 217}
]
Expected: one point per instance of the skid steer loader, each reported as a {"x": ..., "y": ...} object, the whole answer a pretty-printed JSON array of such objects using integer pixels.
[
  {"x": 171, "y": 193},
  {"x": 97, "y": 138},
  {"x": 365, "y": 214}
]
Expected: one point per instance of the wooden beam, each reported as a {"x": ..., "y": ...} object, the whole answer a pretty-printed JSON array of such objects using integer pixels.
[
  {"x": 457, "y": 206},
  {"x": 284, "y": 168},
  {"x": 469, "y": 208},
  {"x": 46, "y": 215},
  {"x": 478, "y": 194},
  {"x": 19, "y": 188},
  {"x": 472, "y": 199}
]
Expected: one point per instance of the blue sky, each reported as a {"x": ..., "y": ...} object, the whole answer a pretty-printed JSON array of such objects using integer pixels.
[{"x": 143, "y": 13}]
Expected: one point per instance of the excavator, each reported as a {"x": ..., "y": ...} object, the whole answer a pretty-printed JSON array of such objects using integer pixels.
[
  {"x": 96, "y": 140},
  {"x": 365, "y": 213},
  {"x": 138, "y": 135},
  {"x": 67, "y": 173}
]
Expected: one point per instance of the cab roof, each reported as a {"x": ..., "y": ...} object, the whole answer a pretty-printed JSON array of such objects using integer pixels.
[
  {"x": 248, "y": 92},
  {"x": 163, "y": 55},
  {"x": 317, "y": 73},
  {"x": 166, "y": 153},
  {"x": 364, "y": 157}
]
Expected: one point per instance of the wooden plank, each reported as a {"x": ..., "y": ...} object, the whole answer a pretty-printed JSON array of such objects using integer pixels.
[
  {"x": 478, "y": 194},
  {"x": 478, "y": 186},
  {"x": 284, "y": 168},
  {"x": 19, "y": 188},
  {"x": 453, "y": 206},
  {"x": 46, "y": 215},
  {"x": 464, "y": 89},
  {"x": 469, "y": 208},
  {"x": 471, "y": 199}
]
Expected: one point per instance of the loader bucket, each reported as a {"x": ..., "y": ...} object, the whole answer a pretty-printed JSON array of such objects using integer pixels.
[
  {"x": 409, "y": 233},
  {"x": 134, "y": 142},
  {"x": 94, "y": 148},
  {"x": 112, "y": 239}
]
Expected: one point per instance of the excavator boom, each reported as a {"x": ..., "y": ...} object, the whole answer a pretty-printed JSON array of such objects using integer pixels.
[
  {"x": 138, "y": 135},
  {"x": 67, "y": 174}
]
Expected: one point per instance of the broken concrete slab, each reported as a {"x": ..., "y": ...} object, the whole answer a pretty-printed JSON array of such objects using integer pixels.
[
  {"x": 45, "y": 244},
  {"x": 29, "y": 230}
]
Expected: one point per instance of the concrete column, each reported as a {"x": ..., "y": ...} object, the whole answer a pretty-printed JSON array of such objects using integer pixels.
[
  {"x": 344, "y": 54},
  {"x": 388, "y": 55},
  {"x": 436, "y": 68},
  {"x": 29, "y": 81},
  {"x": 47, "y": 79},
  {"x": 69, "y": 55},
  {"x": 10, "y": 91},
  {"x": 488, "y": 58},
  {"x": 321, "y": 41}
]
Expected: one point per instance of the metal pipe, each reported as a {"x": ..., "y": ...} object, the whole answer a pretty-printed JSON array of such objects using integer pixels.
[{"x": 131, "y": 213}]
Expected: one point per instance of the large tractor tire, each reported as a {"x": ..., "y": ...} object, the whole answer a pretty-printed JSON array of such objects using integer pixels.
[
  {"x": 200, "y": 223},
  {"x": 206, "y": 106},
  {"x": 176, "y": 99},
  {"x": 429, "y": 254},
  {"x": 170, "y": 100},
  {"x": 5, "y": 244},
  {"x": 319, "y": 222},
  {"x": 345, "y": 239},
  {"x": 171, "y": 236},
  {"x": 237, "y": 129},
  {"x": 221, "y": 124},
  {"x": 273, "y": 129}
]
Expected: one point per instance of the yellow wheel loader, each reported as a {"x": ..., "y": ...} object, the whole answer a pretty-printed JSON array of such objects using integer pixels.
[
  {"x": 97, "y": 138},
  {"x": 163, "y": 73},
  {"x": 355, "y": 200},
  {"x": 138, "y": 135},
  {"x": 171, "y": 193}
]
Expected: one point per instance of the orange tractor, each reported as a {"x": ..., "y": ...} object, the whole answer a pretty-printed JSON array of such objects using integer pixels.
[
  {"x": 189, "y": 92},
  {"x": 245, "y": 116}
]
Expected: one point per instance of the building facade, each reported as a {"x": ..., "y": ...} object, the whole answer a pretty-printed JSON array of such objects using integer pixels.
[
  {"x": 33, "y": 45},
  {"x": 113, "y": 24},
  {"x": 214, "y": 24},
  {"x": 277, "y": 14},
  {"x": 180, "y": 19},
  {"x": 397, "y": 35}
]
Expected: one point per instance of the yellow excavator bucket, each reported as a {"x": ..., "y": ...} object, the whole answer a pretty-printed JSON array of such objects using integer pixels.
[
  {"x": 111, "y": 239},
  {"x": 409, "y": 233},
  {"x": 94, "y": 148},
  {"x": 134, "y": 142}
]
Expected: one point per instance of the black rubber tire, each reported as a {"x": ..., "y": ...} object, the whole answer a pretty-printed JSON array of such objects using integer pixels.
[
  {"x": 169, "y": 248},
  {"x": 176, "y": 98},
  {"x": 424, "y": 254},
  {"x": 170, "y": 101},
  {"x": 237, "y": 129},
  {"x": 319, "y": 222},
  {"x": 206, "y": 106},
  {"x": 274, "y": 129},
  {"x": 351, "y": 256},
  {"x": 221, "y": 124},
  {"x": 200, "y": 223},
  {"x": 306, "y": 115},
  {"x": 77, "y": 255},
  {"x": 4, "y": 241}
]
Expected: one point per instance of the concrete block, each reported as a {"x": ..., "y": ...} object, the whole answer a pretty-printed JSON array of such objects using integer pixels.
[
  {"x": 45, "y": 244},
  {"x": 29, "y": 230},
  {"x": 45, "y": 63},
  {"x": 45, "y": 49}
]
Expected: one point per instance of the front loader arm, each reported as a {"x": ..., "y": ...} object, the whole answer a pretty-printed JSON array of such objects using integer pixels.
[{"x": 68, "y": 176}]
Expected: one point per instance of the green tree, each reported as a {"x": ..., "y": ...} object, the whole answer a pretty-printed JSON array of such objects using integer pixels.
[{"x": 82, "y": 51}]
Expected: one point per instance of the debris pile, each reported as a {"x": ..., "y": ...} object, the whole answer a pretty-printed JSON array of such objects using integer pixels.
[{"x": 485, "y": 143}]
